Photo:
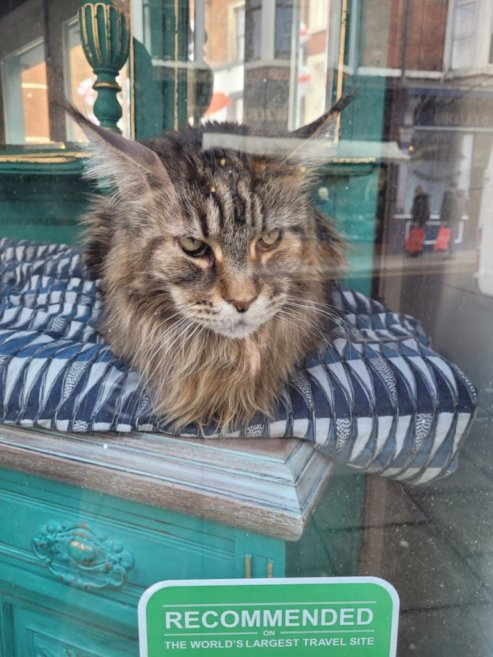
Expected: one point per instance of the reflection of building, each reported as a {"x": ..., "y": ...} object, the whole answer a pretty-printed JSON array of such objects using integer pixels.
[
  {"x": 273, "y": 58},
  {"x": 29, "y": 87},
  {"x": 225, "y": 52},
  {"x": 249, "y": 46},
  {"x": 41, "y": 63},
  {"x": 433, "y": 63},
  {"x": 436, "y": 66}
]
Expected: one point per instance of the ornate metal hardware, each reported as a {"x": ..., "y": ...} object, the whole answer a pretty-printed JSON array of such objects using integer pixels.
[
  {"x": 81, "y": 558},
  {"x": 249, "y": 563}
]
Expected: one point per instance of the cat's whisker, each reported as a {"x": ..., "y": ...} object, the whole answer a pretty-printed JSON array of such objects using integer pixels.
[
  {"x": 334, "y": 317},
  {"x": 167, "y": 377},
  {"x": 327, "y": 308},
  {"x": 188, "y": 338},
  {"x": 168, "y": 341},
  {"x": 156, "y": 347},
  {"x": 320, "y": 309},
  {"x": 192, "y": 343},
  {"x": 180, "y": 335},
  {"x": 309, "y": 327}
]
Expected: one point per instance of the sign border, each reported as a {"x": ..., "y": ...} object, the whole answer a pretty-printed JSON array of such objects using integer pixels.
[{"x": 148, "y": 593}]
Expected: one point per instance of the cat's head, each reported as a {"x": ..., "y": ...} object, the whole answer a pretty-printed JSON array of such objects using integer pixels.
[{"x": 217, "y": 221}]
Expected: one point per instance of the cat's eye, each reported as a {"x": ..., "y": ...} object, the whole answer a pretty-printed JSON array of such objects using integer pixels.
[
  {"x": 194, "y": 247},
  {"x": 269, "y": 240}
]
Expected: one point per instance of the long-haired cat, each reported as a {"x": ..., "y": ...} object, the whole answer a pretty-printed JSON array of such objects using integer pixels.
[{"x": 214, "y": 265}]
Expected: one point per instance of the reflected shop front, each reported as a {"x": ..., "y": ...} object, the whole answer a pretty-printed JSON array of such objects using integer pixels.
[{"x": 246, "y": 407}]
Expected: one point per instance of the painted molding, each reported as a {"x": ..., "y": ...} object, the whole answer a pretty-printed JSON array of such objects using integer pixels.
[{"x": 268, "y": 486}]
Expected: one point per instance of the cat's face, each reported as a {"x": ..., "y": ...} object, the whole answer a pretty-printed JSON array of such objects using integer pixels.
[
  {"x": 238, "y": 246},
  {"x": 206, "y": 229}
]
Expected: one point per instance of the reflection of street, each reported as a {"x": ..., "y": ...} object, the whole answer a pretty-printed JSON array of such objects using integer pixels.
[
  {"x": 399, "y": 225},
  {"x": 431, "y": 229},
  {"x": 465, "y": 261}
]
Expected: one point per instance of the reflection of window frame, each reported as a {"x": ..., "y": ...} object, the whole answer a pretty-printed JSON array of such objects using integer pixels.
[
  {"x": 459, "y": 37},
  {"x": 67, "y": 26},
  {"x": 235, "y": 110},
  {"x": 259, "y": 43},
  {"x": 12, "y": 92},
  {"x": 479, "y": 35},
  {"x": 236, "y": 48},
  {"x": 352, "y": 42},
  {"x": 67, "y": 74},
  {"x": 317, "y": 15},
  {"x": 316, "y": 92},
  {"x": 283, "y": 39}
]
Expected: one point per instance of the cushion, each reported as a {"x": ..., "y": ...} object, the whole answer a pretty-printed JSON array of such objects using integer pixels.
[{"x": 379, "y": 399}]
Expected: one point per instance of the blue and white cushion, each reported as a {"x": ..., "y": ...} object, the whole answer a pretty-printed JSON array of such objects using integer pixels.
[{"x": 379, "y": 399}]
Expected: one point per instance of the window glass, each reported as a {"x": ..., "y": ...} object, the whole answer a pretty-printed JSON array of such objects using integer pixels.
[
  {"x": 80, "y": 78},
  {"x": 25, "y": 91},
  {"x": 376, "y": 458}
]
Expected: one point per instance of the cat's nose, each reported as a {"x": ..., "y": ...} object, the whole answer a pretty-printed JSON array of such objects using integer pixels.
[
  {"x": 241, "y": 305},
  {"x": 239, "y": 288}
]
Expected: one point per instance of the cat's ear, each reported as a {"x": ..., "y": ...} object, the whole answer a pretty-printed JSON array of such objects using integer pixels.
[
  {"x": 121, "y": 162},
  {"x": 318, "y": 136}
]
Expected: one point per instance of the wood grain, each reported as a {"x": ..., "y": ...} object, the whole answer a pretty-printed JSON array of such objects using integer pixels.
[{"x": 269, "y": 486}]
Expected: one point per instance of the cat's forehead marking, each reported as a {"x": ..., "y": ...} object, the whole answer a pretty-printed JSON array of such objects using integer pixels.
[{"x": 216, "y": 210}]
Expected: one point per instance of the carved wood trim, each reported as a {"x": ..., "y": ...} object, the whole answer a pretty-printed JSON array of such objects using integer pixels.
[{"x": 269, "y": 486}]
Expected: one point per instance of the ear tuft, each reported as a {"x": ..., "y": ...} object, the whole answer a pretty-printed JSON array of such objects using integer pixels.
[
  {"x": 316, "y": 140},
  {"x": 324, "y": 126}
]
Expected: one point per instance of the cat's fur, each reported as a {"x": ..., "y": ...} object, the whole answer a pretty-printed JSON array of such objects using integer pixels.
[{"x": 216, "y": 336}]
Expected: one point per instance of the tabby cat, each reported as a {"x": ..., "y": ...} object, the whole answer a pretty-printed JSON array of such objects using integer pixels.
[{"x": 214, "y": 266}]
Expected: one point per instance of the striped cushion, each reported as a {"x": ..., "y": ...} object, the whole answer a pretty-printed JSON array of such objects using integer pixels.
[{"x": 380, "y": 399}]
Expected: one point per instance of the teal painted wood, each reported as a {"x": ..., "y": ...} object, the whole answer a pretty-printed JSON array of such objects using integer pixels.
[
  {"x": 106, "y": 40},
  {"x": 158, "y": 544},
  {"x": 42, "y": 194},
  {"x": 161, "y": 72},
  {"x": 39, "y": 635},
  {"x": 182, "y": 43},
  {"x": 352, "y": 202},
  {"x": 43, "y": 208},
  {"x": 6, "y": 634},
  {"x": 355, "y": 202}
]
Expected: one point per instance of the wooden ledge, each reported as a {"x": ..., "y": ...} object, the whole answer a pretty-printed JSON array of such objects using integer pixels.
[{"x": 269, "y": 486}]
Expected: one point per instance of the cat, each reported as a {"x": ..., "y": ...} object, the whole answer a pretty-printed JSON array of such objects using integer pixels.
[{"x": 214, "y": 266}]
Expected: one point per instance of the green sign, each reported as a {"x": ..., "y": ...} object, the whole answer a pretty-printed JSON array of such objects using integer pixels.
[{"x": 344, "y": 617}]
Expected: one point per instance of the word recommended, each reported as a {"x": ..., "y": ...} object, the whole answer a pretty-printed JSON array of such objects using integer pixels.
[{"x": 227, "y": 619}]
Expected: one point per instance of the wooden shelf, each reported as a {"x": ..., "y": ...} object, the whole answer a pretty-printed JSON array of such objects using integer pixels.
[{"x": 269, "y": 486}]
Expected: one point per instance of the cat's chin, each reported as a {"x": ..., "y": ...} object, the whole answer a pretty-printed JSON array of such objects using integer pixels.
[{"x": 238, "y": 331}]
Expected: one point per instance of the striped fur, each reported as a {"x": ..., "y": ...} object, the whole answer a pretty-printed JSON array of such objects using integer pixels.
[{"x": 215, "y": 336}]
